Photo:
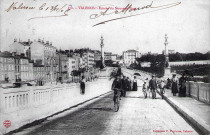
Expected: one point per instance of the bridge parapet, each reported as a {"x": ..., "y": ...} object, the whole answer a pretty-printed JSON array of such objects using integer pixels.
[{"x": 199, "y": 91}]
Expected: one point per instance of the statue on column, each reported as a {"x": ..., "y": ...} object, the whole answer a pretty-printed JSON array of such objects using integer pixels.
[
  {"x": 167, "y": 69},
  {"x": 166, "y": 52},
  {"x": 102, "y": 53}
]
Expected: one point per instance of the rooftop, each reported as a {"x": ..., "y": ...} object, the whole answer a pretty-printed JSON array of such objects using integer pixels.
[{"x": 131, "y": 51}]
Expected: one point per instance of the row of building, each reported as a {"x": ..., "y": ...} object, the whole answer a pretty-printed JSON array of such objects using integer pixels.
[{"x": 39, "y": 60}]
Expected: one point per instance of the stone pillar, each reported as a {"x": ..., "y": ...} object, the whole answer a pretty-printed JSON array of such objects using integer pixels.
[
  {"x": 167, "y": 68},
  {"x": 102, "y": 51}
]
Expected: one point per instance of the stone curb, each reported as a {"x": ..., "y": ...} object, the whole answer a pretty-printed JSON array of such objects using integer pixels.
[{"x": 193, "y": 119}]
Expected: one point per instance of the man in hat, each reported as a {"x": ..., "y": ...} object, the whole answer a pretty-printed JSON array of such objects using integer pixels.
[
  {"x": 124, "y": 86},
  {"x": 128, "y": 83},
  {"x": 117, "y": 86},
  {"x": 153, "y": 87}
]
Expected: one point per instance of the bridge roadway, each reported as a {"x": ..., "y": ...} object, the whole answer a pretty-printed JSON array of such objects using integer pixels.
[{"x": 137, "y": 116}]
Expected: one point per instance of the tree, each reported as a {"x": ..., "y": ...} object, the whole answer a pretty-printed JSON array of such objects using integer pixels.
[{"x": 157, "y": 63}]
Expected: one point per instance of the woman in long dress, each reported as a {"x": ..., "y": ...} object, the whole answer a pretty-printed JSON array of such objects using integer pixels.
[
  {"x": 174, "y": 88},
  {"x": 82, "y": 85},
  {"x": 182, "y": 84},
  {"x": 134, "y": 84}
]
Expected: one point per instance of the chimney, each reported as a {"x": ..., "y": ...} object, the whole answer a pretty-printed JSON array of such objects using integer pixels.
[
  {"x": 29, "y": 41},
  {"x": 47, "y": 42},
  {"x": 39, "y": 40},
  {"x": 15, "y": 40},
  {"x": 43, "y": 41},
  {"x": 50, "y": 43}
]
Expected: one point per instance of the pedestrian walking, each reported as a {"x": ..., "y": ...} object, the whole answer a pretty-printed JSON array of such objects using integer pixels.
[
  {"x": 153, "y": 87},
  {"x": 124, "y": 86},
  {"x": 162, "y": 86},
  {"x": 147, "y": 85},
  {"x": 168, "y": 86},
  {"x": 82, "y": 85},
  {"x": 182, "y": 86},
  {"x": 135, "y": 88},
  {"x": 144, "y": 89},
  {"x": 128, "y": 84},
  {"x": 122, "y": 81},
  {"x": 119, "y": 72},
  {"x": 174, "y": 87}
]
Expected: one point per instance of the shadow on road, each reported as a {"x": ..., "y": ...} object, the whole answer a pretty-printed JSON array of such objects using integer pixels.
[
  {"x": 133, "y": 97},
  {"x": 141, "y": 97},
  {"x": 101, "y": 109}
]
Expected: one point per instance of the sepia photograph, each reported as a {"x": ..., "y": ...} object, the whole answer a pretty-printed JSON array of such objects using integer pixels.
[{"x": 104, "y": 67}]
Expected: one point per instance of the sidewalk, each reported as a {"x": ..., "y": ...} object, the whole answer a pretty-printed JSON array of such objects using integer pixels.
[{"x": 196, "y": 112}]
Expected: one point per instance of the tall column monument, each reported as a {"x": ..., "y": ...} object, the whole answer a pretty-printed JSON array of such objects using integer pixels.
[
  {"x": 102, "y": 52},
  {"x": 167, "y": 68}
]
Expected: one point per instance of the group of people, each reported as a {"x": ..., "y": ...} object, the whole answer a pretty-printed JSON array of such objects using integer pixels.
[
  {"x": 178, "y": 85},
  {"x": 91, "y": 78},
  {"x": 150, "y": 87},
  {"x": 124, "y": 84}
]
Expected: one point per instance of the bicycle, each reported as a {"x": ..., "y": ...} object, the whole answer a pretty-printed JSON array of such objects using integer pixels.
[{"x": 116, "y": 99}]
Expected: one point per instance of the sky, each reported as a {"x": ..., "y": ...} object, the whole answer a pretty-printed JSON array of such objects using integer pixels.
[{"x": 187, "y": 25}]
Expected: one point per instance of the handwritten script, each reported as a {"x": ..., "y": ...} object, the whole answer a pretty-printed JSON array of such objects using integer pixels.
[
  {"x": 105, "y": 10},
  {"x": 128, "y": 9},
  {"x": 61, "y": 10}
]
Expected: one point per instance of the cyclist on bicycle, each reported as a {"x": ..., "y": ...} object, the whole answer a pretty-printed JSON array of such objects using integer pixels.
[{"x": 117, "y": 86}]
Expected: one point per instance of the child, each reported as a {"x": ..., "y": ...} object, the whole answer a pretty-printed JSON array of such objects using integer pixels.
[
  {"x": 162, "y": 86},
  {"x": 144, "y": 89}
]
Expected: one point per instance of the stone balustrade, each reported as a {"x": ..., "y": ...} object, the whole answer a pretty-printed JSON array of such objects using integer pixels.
[
  {"x": 199, "y": 91},
  {"x": 28, "y": 104},
  {"x": 14, "y": 99}
]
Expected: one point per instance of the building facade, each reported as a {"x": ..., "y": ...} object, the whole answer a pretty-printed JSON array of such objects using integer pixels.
[
  {"x": 76, "y": 56},
  {"x": 71, "y": 65},
  {"x": 7, "y": 67},
  {"x": 62, "y": 62},
  {"x": 15, "y": 67},
  {"x": 44, "y": 53},
  {"x": 107, "y": 56},
  {"x": 26, "y": 69},
  {"x": 20, "y": 47},
  {"x": 39, "y": 72},
  {"x": 88, "y": 60},
  {"x": 130, "y": 56}
]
